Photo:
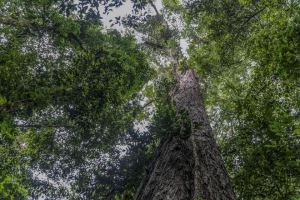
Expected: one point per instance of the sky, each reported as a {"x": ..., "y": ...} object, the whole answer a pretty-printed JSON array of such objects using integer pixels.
[{"x": 122, "y": 11}]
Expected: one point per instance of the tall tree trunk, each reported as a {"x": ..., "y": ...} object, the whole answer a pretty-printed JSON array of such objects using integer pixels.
[{"x": 188, "y": 168}]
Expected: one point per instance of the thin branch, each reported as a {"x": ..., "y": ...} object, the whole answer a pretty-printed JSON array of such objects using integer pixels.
[
  {"x": 248, "y": 18},
  {"x": 147, "y": 104},
  {"x": 154, "y": 7},
  {"x": 154, "y": 45}
]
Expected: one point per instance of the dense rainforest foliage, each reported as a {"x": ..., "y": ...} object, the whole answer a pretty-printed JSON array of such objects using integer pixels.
[{"x": 83, "y": 107}]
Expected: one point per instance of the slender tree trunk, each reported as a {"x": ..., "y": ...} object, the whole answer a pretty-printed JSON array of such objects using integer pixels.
[{"x": 188, "y": 168}]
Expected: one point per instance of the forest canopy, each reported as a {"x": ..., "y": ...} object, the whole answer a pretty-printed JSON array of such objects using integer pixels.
[{"x": 85, "y": 110}]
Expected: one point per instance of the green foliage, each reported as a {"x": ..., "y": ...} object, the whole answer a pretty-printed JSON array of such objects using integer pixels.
[
  {"x": 167, "y": 122},
  {"x": 11, "y": 189},
  {"x": 257, "y": 126},
  {"x": 164, "y": 120},
  {"x": 68, "y": 92},
  {"x": 11, "y": 186},
  {"x": 276, "y": 44},
  {"x": 173, "y": 5}
]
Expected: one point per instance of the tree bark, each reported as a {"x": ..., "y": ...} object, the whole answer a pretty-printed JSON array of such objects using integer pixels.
[{"x": 189, "y": 168}]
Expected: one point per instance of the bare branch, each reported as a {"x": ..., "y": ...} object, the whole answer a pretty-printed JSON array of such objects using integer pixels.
[{"x": 154, "y": 7}]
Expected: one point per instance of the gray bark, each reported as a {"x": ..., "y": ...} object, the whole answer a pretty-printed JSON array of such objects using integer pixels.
[{"x": 188, "y": 168}]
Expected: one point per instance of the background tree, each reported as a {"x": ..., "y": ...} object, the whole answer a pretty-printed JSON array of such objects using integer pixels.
[
  {"x": 248, "y": 50},
  {"x": 68, "y": 91}
]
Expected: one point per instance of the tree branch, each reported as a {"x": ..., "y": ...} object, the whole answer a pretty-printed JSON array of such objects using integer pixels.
[
  {"x": 154, "y": 7},
  {"x": 42, "y": 126}
]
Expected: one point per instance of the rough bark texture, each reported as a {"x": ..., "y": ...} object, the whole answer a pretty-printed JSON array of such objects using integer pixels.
[
  {"x": 171, "y": 175},
  {"x": 188, "y": 168}
]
